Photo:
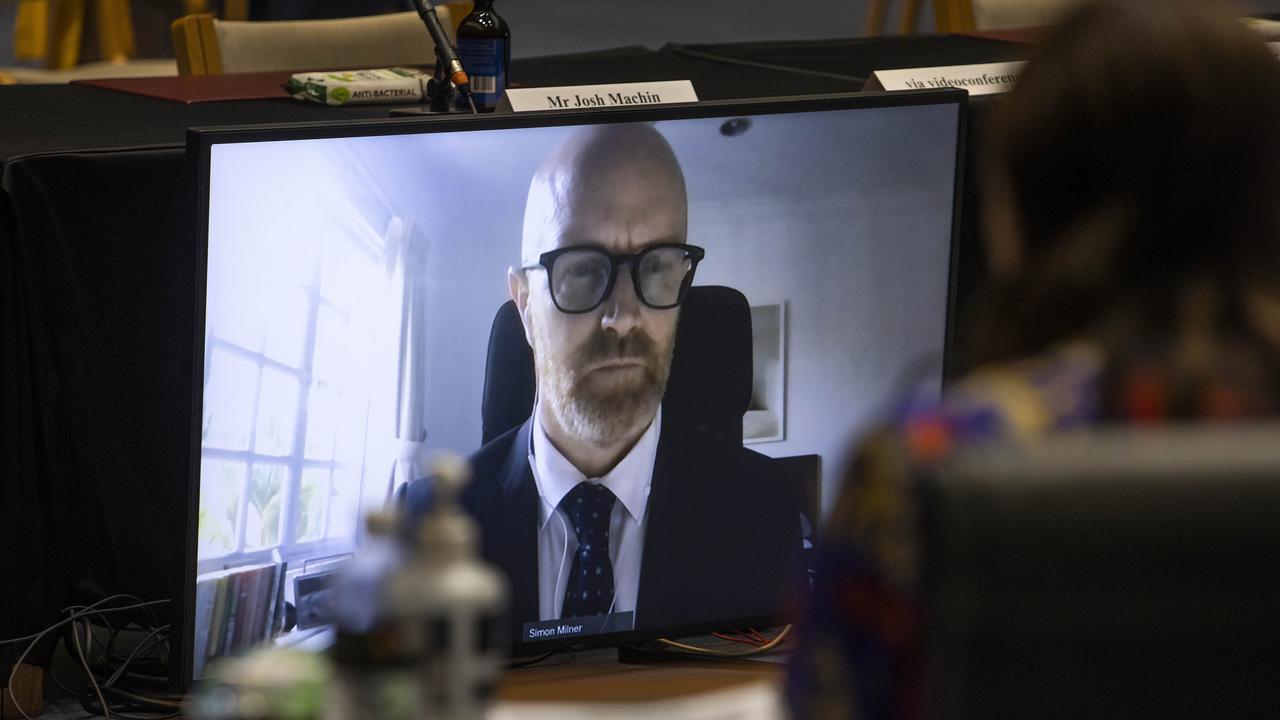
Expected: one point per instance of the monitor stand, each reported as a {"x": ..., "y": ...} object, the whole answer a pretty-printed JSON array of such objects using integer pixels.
[{"x": 648, "y": 654}]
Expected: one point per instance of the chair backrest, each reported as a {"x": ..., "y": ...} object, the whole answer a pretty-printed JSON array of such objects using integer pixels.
[
  {"x": 51, "y": 31},
  {"x": 999, "y": 14},
  {"x": 959, "y": 16},
  {"x": 970, "y": 15},
  {"x": 710, "y": 381},
  {"x": 205, "y": 45},
  {"x": 1119, "y": 572}
]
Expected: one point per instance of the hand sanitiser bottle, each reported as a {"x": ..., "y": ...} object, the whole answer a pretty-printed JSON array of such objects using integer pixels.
[
  {"x": 374, "y": 660},
  {"x": 484, "y": 46},
  {"x": 454, "y": 603}
]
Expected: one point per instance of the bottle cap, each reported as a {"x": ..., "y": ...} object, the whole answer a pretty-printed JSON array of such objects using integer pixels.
[
  {"x": 448, "y": 532},
  {"x": 380, "y": 523}
]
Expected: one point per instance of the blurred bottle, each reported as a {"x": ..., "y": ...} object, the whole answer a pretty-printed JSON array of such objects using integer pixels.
[
  {"x": 268, "y": 683},
  {"x": 454, "y": 603},
  {"x": 375, "y": 660},
  {"x": 361, "y": 587},
  {"x": 484, "y": 46}
]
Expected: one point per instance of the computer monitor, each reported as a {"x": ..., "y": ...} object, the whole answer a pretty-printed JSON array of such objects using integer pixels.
[
  {"x": 1120, "y": 571},
  {"x": 350, "y": 277}
]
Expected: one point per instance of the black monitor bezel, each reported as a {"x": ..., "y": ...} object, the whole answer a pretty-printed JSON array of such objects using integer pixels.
[{"x": 200, "y": 141}]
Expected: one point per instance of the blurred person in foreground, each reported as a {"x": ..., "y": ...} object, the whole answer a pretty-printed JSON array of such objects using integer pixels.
[{"x": 1133, "y": 242}]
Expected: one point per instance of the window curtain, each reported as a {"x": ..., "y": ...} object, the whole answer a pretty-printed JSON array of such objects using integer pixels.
[{"x": 407, "y": 261}]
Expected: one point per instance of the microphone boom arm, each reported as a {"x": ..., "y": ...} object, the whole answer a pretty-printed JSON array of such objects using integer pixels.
[{"x": 446, "y": 54}]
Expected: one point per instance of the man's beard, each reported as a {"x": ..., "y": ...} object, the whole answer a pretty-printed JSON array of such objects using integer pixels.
[{"x": 602, "y": 407}]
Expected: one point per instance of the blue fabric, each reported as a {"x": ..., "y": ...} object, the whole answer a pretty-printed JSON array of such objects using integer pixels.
[{"x": 590, "y": 587}]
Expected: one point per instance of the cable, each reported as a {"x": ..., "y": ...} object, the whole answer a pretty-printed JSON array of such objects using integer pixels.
[
  {"x": 37, "y": 637},
  {"x": 700, "y": 55},
  {"x": 141, "y": 648},
  {"x": 136, "y": 649},
  {"x": 64, "y": 621},
  {"x": 168, "y": 708},
  {"x": 564, "y": 553},
  {"x": 128, "y": 596},
  {"x": 515, "y": 664},
  {"x": 106, "y": 712},
  {"x": 694, "y": 649},
  {"x": 131, "y": 703},
  {"x": 145, "y": 700},
  {"x": 735, "y": 638}
]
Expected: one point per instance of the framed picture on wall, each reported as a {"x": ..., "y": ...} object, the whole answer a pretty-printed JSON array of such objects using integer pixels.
[{"x": 766, "y": 416}]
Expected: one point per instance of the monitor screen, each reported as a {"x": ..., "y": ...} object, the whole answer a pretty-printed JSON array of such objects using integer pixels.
[{"x": 711, "y": 301}]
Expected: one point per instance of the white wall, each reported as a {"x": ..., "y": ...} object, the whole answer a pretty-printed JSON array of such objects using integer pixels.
[
  {"x": 845, "y": 218},
  {"x": 849, "y": 226}
]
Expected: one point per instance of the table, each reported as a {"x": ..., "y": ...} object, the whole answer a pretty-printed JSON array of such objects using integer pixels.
[
  {"x": 97, "y": 277},
  {"x": 597, "y": 676}
]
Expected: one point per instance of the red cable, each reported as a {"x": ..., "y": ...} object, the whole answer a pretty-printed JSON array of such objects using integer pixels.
[{"x": 744, "y": 641}]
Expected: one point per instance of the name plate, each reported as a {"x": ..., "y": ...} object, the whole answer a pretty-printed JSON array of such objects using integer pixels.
[
  {"x": 581, "y": 97},
  {"x": 577, "y": 627},
  {"x": 984, "y": 79},
  {"x": 1268, "y": 29}
]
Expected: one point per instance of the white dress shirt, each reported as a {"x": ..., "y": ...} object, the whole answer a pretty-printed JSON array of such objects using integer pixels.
[{"x": 629, "y": 481}]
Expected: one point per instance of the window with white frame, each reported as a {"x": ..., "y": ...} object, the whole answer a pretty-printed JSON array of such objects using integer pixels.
[{"x": 287, "y": 400}]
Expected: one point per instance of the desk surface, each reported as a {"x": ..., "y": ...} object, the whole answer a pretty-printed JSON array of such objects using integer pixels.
[
  {"x": 582, "y": 681},
  {"x": 68, "y": 118},
  {"x": 598, "y": 676}
]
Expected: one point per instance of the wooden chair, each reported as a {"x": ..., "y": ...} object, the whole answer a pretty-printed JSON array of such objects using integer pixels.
[
  {"x": 204, "y": 45},
  {"x": 878, "y": 13},
  {"x": 231, "y": 9},
  {"x": 954, "y": 16},
  {"x": 52, "y": 30}
]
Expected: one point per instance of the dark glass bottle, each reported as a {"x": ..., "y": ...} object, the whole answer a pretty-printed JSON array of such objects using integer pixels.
[{"x": 484, "y": 46}]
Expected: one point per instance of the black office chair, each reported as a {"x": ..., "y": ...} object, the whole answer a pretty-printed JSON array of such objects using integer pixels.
[
  {"x": 1108, "y": 573},
  {"x": 710, "y": 381}
]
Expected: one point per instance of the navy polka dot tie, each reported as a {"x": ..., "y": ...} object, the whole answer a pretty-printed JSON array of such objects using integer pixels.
[{"x": 590, "y": 587}]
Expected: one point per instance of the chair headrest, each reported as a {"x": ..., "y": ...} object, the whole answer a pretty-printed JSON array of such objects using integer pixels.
[
  {"x": 710, "y": 381},
  {"x": 509, "y": 386}
]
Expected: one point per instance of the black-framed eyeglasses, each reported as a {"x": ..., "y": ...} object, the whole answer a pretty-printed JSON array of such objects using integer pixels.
[{"x": 582, "y": 276}]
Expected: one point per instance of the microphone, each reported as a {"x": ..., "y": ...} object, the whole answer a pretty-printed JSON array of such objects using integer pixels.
[{"x": 444, "y": 49}]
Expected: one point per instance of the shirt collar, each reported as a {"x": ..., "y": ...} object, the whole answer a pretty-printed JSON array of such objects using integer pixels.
[{"x": 629, "y": 480}]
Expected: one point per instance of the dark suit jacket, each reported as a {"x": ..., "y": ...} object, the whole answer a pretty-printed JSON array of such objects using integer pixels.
[{"x": 723, "y": 534}]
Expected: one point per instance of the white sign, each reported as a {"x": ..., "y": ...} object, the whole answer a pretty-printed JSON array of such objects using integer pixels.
[
  {"x": 1268, "y": 29},
  {"x": 1274, "y": 47},
  {"x": 984, "y": 79},
  {"x": 590, "y": 97}
]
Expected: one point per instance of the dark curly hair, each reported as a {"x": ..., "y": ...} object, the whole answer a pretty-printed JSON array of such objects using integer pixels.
[{"x": 1134, "y": 183}]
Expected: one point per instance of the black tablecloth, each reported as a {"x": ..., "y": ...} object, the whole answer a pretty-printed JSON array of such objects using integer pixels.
[{"x": 97, "y": 271}]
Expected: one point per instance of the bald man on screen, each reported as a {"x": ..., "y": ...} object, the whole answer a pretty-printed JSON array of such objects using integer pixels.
[{"x": 596, "y": 506}]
